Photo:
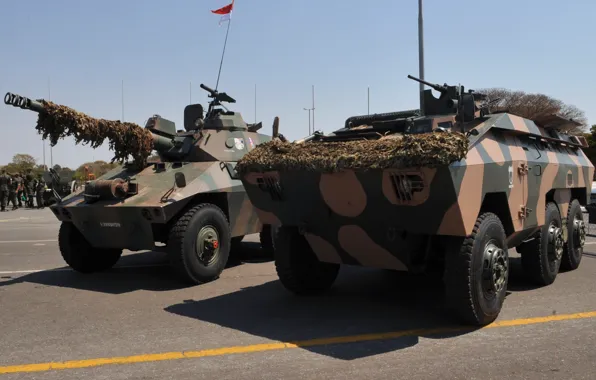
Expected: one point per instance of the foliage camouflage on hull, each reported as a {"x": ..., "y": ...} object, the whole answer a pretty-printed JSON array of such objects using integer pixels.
[
  {"x": 429, "y": 150},
  {"x": 381, "y": 216}
]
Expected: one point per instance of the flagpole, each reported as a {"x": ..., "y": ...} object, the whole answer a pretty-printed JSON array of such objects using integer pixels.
[{"x": 224, "y": 51}]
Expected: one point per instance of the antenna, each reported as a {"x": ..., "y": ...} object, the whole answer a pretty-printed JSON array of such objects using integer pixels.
[
  {"x": 190, "y": 93},
  {"x": 223, "y": 52},
  {"x": 421, "y": 55},
  {"x": 368, "y": 99}
]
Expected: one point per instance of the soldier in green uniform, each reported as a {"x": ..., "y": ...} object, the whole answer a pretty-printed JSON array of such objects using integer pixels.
[
  {"x": 12, "y": 191},
  {"x": 20, "y": 189},
  {"x": 41, "y": 186},
  {"x": 4, "y": 183},
  {"x": 30, "y": 189}
]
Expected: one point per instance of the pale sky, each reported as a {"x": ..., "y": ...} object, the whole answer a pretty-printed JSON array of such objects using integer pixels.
[{"x": 84, "y": 50}]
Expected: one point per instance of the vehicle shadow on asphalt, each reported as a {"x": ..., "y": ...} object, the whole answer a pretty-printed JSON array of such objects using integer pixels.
[
  {"x": 519, "y": 282},
  {"x": 362, "y": 301},
  {"x": 136, "y": 271}
]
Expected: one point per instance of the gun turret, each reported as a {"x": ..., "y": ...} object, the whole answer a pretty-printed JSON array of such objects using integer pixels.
[{"x": 453, "y": 100}]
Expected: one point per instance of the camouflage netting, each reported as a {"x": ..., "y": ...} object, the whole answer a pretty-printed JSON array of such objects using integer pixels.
[
  {"x": 430, "y": 150},
  {"x": 125, "y": 138}
]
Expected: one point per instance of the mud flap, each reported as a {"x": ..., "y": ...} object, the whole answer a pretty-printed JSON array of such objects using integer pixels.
[{"x": 592, "y": 213}]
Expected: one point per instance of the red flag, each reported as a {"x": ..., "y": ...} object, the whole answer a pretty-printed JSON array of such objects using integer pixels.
[{"x": 224, "y": 10}]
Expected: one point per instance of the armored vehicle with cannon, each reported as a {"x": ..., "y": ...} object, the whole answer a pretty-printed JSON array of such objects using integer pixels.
[
  {"x": 449, "y": 187},
  {"x": 191, "y": 199}
]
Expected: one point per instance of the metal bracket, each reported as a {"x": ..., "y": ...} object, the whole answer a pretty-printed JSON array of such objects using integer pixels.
[
  {"x": 523, "y": 168},
  {"x": 524, "y": 212}
]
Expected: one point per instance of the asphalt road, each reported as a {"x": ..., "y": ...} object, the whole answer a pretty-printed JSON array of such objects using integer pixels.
[{"x": 137, "y": 322}]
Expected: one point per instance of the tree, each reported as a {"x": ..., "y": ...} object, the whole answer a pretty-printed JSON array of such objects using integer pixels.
[
  {"x": 590, "y": 151},
  {"x": 22, "y": 163},
  {"x": 97, "y": 168},
  {"x": 532, "y": 106}
]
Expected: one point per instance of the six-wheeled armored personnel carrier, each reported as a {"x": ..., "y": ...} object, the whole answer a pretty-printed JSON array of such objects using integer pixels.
[
  {"x": 451, "y": 186},
  {"x": 191, "y": 199}
]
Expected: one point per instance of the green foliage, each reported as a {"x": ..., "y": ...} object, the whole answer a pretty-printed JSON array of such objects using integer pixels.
[
  {"x": 98, "y": 168},
  {"x": 23, "y": 163}
]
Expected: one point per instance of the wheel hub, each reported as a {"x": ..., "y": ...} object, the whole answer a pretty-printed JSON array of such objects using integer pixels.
[
  {"x": 555, "y": 239},
  {"x": 207, "y": 246},
  {"x": 496, "y": 267},
  {"x": 579, "y": 232}
]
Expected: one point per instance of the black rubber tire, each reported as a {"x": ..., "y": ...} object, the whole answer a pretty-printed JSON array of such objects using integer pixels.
[
  {"x": 572, "y": 253},
  {"x": 297, "y": 266},
  {"x": 463, "y": 273},
  {"x": 535, "y": 255},
  {"x": 182, "y": 244},
  {"x": 80, "y": 255},
  {"x": 267, "y": 239}
]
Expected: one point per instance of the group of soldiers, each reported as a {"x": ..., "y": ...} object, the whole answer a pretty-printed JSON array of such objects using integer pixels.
[{"x": 19, "y": 188}]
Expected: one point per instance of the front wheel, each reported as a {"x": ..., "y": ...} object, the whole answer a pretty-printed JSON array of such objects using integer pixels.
[
  {"x": 199, "y": 244},
  {"x": 477, "y": 272},
  {"x": 80, "y": 255},
  {"x": 297, "y": 266}
]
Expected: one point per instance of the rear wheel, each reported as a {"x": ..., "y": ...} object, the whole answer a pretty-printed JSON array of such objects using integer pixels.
[
  {"x": 199, "y": 244},
  {"x": 297, "y": 266},
  {"x": 477, "y": 272},
  {"x": 573, "y": 250},
  {"x": 80, "y": 255},
  {"x": 541, "y": 257},
  {"x": 267, "y": 239}
]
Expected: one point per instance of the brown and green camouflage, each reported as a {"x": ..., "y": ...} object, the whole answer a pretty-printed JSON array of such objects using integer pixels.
[
  {"x": 371, "y": 193},
  {"x": 134, "y": 205}
]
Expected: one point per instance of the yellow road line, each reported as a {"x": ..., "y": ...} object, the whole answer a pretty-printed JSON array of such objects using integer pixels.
[{"x": 71, "y": 364}]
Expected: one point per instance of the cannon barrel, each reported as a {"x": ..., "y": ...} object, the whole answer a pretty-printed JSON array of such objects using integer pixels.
[
  {"x": 162, "y": 143},
  {"x": 436, "y": 87},
  {"x": 22, "y": 102}
]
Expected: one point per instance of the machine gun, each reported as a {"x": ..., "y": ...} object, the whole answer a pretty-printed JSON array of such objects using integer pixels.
[{"x": 467, "y": 105}]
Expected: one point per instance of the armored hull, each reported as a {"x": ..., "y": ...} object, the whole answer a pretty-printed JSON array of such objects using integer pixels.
[
  {"x": 140, "y": 219},
  {"x": 512, "y": 167},
  {"x": 191, "y": 199},
  {"x": 452, "y": 188}
]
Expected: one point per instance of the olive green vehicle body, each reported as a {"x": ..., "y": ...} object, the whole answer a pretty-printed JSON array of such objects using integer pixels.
[
  {"x": 142, "y": 218},
  {"x": 205, "y": 152},
  {"x": 513, "y": 167}
]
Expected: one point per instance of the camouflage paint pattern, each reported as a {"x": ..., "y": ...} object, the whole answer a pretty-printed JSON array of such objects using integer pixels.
[
  {"x": 513, "y": 167},
  {"x": 129, "y": 223}
]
